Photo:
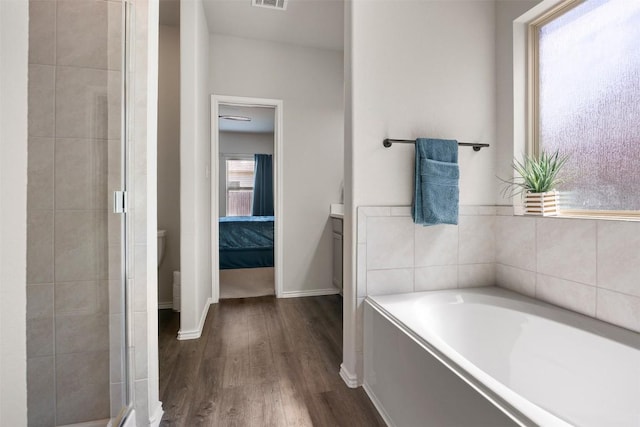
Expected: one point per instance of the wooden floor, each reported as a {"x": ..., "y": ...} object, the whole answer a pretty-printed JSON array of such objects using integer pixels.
[{"x": 261, "y": 362}]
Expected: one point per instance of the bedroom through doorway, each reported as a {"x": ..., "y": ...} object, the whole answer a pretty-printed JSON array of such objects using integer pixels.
[{"x": 245, "y": 219}]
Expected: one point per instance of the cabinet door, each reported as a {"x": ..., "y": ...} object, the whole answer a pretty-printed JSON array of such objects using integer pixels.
[{"x": 337, "y": 260}]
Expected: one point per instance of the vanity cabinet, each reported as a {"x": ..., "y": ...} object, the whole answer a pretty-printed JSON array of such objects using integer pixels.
[{"x": 336, "y": 224}]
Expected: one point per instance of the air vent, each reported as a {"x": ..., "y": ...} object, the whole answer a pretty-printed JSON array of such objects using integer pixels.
[{"x": 270, "y": 4}]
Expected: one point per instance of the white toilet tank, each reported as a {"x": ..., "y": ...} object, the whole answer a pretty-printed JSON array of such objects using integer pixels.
[{"x": 161, "y": 242}]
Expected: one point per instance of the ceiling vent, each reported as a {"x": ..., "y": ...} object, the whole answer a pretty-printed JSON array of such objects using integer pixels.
[{"x": 270, "y": 4}]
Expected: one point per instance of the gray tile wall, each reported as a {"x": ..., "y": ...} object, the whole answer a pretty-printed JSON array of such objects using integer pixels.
[{"x": 74, "y": 50}]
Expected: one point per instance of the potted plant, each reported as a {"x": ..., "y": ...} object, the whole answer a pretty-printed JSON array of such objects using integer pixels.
[{"x": 537, "y": 181}]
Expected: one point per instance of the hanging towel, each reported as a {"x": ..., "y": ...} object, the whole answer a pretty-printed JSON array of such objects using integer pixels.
[{"x": 436, "y": 194}]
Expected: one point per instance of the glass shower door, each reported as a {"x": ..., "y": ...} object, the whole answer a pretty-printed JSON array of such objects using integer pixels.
[{"x": 77, "y": 350}]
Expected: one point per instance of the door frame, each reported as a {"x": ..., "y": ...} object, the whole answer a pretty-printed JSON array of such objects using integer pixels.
[{"x": 278, "y": 161}]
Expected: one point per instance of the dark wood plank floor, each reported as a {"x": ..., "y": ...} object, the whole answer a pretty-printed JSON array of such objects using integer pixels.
[{"x": 261, "y": 362}]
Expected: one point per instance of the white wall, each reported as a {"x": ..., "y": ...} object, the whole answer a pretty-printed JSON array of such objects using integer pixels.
[
  {"x": 310, "y": 83},
  {"x": 239, "y": 143},
  {"x": 169, "y": 157},
  {"x": 417, "y": 69},
  {"x": 195, "y": 194},
  {"x": 14, "y": 33}
]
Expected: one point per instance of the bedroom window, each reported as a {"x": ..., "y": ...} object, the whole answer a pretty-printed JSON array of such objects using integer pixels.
[
  {"x": 585, "y": 94},
  {"x": 239, "y": 186}
]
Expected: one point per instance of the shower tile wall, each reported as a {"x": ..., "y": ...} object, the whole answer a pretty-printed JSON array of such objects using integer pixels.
[{"x": 74, "y": 50}]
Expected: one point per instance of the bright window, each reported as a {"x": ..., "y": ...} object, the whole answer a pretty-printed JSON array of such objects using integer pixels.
[
  {"x": 239, "y": 186},
  {"x": 588, "y": 101}
]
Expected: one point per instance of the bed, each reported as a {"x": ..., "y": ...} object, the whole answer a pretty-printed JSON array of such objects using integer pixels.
[{"x": 246, "y": 242}]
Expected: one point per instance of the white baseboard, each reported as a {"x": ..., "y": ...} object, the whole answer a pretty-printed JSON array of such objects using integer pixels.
[
  {"x": 383, "y": 414},
  {"x": 310, "y": 293},
  {"x": 195, "y": 333},
  {"x": 349, "y": 379},
  {"x": 156, "y": 417},
  {"x": 165, "y": 305}
]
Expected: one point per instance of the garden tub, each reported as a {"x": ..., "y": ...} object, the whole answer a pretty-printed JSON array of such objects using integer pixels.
[{"x": 490, "y": 357}]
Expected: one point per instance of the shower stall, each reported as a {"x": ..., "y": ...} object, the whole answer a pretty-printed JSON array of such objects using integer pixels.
[{"x": 80, "y": 352}]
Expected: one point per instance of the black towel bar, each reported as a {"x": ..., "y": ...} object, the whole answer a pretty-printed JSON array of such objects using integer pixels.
[{"x": 476, "y": 146}]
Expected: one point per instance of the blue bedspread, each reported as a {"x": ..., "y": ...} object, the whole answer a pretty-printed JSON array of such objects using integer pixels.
[{"x": 246, "y": 242}]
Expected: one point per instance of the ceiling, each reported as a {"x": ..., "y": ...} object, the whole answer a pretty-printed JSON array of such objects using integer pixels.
[
  {"x": 262, "y": 119},
  {"x": 311, "y": 23}
]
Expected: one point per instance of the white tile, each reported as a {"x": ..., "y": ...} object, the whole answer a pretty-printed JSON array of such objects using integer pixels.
[
  {"x": 140, "y": 337},
  {"x": 504, "y": 210},
  {"x": 475, "y": 275},
  {"x": 515, "y": 279},
  {"x": 476, "y": 239},
  {"x": 436, "y": 278},
  {"x": 361, "y": 227},
  {"x": 516, "y": 241},
  {"x": 401, "y": 211},
  {"x": 383, "y": 282},
  {"x": 619, "y": 256},
  {"x": 564, "y": 293},
  {"x": 619, "y": 309},
  {"x": 389, "y": 243},
  {"x": 476, "y": 210},
  {"x": 141, "y": 405},
  {"x": 361, "y": 279},
  {"x": 436, "y": 245},
  {"x": 566, "y": 248},
  {"x": 140, "y": 278},
  {"x": 359, "y": 324},
  {"x": 375, "y": 210}
]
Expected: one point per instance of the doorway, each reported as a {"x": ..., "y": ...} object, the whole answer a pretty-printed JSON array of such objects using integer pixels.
[{"x": 246, "y": 197}]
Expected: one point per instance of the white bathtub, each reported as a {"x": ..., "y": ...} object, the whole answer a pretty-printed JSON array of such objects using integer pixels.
[{"x": 489, "y": 357}]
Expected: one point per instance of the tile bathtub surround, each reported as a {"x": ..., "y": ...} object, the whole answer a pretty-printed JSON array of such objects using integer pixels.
[
  {"x": 395, "y": 255},
  {"x": 585, "y": 265}
]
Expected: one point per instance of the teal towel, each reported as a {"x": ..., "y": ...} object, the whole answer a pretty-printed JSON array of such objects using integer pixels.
[{"x": 437, "y": 174}]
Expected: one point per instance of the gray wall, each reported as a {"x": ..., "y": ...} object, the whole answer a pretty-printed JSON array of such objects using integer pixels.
[{"x": 169, "y": 157}]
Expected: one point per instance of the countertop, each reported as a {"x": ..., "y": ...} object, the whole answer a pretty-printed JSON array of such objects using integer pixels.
[{"x": 336, "y": 210}]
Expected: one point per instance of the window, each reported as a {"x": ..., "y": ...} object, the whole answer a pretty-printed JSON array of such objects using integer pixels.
[
  {"x": 239, "y": 185},
  {"x": 586, "y": 99}
]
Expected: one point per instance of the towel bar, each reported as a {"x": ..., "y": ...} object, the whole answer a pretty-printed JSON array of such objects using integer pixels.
[{"x": 476, "y": 146}]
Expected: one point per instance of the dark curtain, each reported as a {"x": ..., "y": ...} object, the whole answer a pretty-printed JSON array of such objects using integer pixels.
[{"x": 263, "y": 186}]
